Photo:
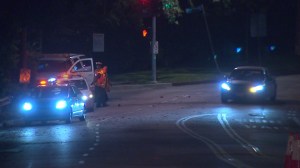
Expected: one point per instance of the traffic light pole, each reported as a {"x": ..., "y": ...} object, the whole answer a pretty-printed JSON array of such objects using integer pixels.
[{"x": 152, "y": 49}]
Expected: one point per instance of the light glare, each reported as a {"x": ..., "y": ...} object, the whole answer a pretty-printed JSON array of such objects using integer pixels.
[
  {"x": 27, "y": 106},
  {"x": 225, "y": 86},
  {"x": 61, "y": 104}
]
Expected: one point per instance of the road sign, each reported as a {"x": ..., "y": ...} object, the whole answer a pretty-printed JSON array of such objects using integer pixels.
[{"x": 98, "y": 42}]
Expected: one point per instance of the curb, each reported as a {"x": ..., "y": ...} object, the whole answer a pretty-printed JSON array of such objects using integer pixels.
[
  {"x": 8, "y": 123},
  {"x": 194, "y": 83},
  {"x": 141, "y": 86},
  {"x": 159, "y": 85}
]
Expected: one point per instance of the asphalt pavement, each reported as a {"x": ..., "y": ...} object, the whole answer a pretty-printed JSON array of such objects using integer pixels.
[{"x": 9, "y": 118}]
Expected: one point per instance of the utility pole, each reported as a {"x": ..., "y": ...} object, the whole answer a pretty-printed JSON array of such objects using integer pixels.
[
  {"x": 210, "y": 40},
  {"x": 152, "y": 49},
  {"x": 24, "y": 54},
  {"x": 202, "y": 9}
]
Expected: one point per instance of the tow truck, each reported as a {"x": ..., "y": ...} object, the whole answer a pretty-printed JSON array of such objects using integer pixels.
[{"x": 51, "y": 66}]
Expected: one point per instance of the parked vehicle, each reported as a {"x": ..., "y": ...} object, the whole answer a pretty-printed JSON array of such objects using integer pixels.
[
  {"x": 53, "y": 102},
  {"x": 82, "y": 85},
  {"x": 53, "y": 65}
]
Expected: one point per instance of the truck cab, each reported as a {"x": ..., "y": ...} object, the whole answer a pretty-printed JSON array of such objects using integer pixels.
[{"x": 55, "y": 65}]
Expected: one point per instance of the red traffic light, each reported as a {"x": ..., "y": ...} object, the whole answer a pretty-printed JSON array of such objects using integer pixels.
[
  {"x": 145, "y": 32},
  {"x": 144, "y": 2}
]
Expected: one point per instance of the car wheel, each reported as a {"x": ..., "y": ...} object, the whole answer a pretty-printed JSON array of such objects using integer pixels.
[
  {"x": 224, "y": 99},
  {"x": 273, "y": 97},
  {"x": 27, "y": 123},
  {"x": 82, "y": 118},
  {"x": 69, "y": 119}
]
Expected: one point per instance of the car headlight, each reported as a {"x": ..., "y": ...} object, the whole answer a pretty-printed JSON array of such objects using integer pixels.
[
  {"x": 256, "y": 88},
  {"x": 61, "y": 104},
  {"x": 225, "y": 86},
  {"x": 27, "y": 106},
  {"x": 84, "y": 98}
]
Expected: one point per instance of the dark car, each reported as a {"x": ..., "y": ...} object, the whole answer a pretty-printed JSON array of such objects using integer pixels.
[
  {"x": 53, "y": 103},
  {"x": 248, "y": 82}
]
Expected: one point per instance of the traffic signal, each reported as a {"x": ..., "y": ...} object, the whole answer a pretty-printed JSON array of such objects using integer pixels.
[
  {"x": 145, "y": 33},
  {"x": 144, "y": 3},
  {"x": 148, "y": 8}
]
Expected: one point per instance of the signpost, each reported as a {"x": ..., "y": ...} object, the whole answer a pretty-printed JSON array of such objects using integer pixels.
[
  {"x": 153, "y": 43},
  {"x": 98, "y": 42}
]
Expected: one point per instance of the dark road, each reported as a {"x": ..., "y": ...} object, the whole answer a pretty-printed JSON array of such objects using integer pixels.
[{"x": 182, "y": 126}]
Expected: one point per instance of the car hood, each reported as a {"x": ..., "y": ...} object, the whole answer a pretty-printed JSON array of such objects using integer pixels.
[
  {"x": 46, "y": 75},
  {"x": 244, "y": 82},
  {"x": 43, "y": 100},
  {"x": 86, "y": 92}
]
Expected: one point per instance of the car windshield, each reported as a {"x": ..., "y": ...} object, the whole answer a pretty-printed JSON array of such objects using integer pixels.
[
  {"x": 49, "y": 92},
  {"x": 80, "y": 84},
  {"x": 247, "y": 74},
  {"x": 53, "y": 66}
]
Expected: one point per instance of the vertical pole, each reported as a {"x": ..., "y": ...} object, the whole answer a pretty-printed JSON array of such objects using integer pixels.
[
  {"x": 152, "y": 49},
  {"x": 24, "y": 48},
  {"x": 210, "y": 39}
]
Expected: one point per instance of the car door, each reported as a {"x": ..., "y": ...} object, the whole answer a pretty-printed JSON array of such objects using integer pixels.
[
  {"x": 73, "y": 100},
  {"x": 79, "y": 105},
  {"x": 83, "y": 67}
]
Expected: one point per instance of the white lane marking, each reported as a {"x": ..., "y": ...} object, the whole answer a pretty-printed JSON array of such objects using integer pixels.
[
  {"x": 97, "y": 140},
  {"x": 222, "y": 117},
  {"x": 219, "y": 152}
]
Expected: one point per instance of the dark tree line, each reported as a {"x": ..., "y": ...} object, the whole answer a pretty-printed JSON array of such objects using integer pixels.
[{"x": 67, "y": 26}]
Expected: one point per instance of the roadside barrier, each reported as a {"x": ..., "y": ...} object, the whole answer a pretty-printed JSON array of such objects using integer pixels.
[{"x": 292, "y": 155}]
